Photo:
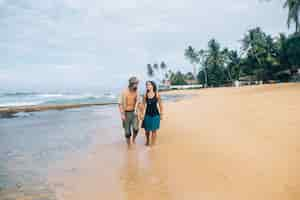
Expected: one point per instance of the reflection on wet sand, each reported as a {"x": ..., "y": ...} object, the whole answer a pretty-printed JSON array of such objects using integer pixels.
[
  {"x": 142, "y": 177},
  {"x": 114, "y": 172},
  {"x": 96, "y": 175}
]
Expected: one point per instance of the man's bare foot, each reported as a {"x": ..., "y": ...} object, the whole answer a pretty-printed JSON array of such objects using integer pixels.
[
  {"x": 134, "y": 137},
  {"x": 128, "y": 143}
]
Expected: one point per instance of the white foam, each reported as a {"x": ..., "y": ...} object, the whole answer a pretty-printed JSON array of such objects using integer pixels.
[{"x": 20, "y": 103}]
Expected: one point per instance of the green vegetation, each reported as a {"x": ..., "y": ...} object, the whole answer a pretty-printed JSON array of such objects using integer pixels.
[
  {"x": 261, "y": 58},
  {"x": 177, "y": 78}
]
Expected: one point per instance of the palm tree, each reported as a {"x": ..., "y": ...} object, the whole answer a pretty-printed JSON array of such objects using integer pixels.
[
  {"x": 215, "y": 62},
  {"x": 233, "y": 65},
  {"x": 157, "y": 70},
  {"x": 293, "y": 13},
  {"x": 150, "y": 70},
  {"x": 155, "y": 66},
  {"x": 252, "y": 45},
  {"x": 253, "y": 41},
  {"x": 193, "y": 57},
  {"x": 202, "y": 58},
  {"x": 215, "y": 55},
  {"x": 226, "y": 57},
  {"x": 282, "y": 56},
  {"x": 163, "y": 65},
  {"x": 262, "y": 54}
]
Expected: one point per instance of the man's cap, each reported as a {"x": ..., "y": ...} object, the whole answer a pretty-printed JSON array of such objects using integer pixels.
[{"x": 133, "y": 80}]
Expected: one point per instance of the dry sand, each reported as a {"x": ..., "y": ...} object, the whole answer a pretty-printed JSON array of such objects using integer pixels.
[{"x": 222, "y": 144}]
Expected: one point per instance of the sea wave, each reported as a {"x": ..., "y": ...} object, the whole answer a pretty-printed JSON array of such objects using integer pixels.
[
  {"x": 13, "y": 104},
  {"x": 33, "y": 98},
  {"x": 11, "y": 94}
]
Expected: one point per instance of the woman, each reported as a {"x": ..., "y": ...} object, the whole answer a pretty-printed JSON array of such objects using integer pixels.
[{"x": 153, "y": 112}]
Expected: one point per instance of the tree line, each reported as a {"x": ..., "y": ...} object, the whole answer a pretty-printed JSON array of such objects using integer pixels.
[
  {"x": 261, "y": 57},
  {"x": 162, "y": 74}
]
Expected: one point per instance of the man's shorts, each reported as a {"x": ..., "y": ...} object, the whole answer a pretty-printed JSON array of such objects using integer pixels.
[{"x": 130, "y": 123}]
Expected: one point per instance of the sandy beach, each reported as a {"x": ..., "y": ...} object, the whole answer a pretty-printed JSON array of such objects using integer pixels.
[{"x": 223, "y": 143}]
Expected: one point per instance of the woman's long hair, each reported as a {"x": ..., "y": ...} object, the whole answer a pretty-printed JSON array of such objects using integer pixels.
[{"x": 153, "y": 85}]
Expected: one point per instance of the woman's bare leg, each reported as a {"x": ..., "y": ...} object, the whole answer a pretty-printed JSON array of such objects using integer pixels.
[
  {"x": 147, "y": 138},
  {"x": 153, "y": 138}
]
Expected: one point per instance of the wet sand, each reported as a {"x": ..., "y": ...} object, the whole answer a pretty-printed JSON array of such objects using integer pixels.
[
  {"x": 6, "y": 111},
  {"x": 224, "y": 143}
]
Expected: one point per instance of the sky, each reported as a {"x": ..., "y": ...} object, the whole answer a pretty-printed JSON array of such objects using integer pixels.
[{"x": 64, "y": 45}]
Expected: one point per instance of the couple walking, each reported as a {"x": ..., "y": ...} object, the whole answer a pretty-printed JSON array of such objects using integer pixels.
[{"x": 133, "y": 110}]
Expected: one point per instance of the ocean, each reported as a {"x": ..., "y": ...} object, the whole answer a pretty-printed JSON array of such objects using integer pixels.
[
  {"x": 12, "y": 99},
  {"x": 35, "y": 98},
  {"x": 16, "y": 99},
  {"x": 38, "y": 144}
]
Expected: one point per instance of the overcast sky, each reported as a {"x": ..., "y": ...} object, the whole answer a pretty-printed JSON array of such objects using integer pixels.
[{"x": 73, "y": 44}]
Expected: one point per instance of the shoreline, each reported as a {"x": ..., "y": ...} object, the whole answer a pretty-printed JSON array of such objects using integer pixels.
[
  {"x": 36, "y": 108},
  {"x": 8, "y": 111}
]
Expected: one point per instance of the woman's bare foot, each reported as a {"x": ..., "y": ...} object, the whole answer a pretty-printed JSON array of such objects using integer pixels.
[
  {"x": 153, "y": 139},
  {"x": 147, "y": 138},
  {"x": 147, "y": 143}
]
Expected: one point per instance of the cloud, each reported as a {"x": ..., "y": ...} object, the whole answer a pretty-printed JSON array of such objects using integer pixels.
[{"x": 120, "y": 36}]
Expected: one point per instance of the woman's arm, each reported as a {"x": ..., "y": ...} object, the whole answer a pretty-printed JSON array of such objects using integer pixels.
[
  {"x": 143, "y": 107},
  {"x": 160, "y": 105}
]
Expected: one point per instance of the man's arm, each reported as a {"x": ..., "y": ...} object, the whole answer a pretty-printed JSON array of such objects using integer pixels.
[
  {"x": 121, "y": 107},
  {"x": 143, "y": 107},
  {"x": 139, "y": 107}
]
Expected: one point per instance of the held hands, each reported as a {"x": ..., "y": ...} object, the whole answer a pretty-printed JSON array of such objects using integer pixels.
[
  {"x": 123, "y": 117},
  {"x": 141, "y": 117}
]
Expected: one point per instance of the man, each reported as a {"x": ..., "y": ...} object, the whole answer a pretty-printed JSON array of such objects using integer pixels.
[{"x": 128, "y": 106}]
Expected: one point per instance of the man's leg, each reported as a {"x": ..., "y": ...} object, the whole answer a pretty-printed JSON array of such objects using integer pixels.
[
  {"x": 135, "y": 133},
  {"x": 127, "y": 129},
  {"x": 128, "y": 136},
  {"x": 135, "y": 127}
]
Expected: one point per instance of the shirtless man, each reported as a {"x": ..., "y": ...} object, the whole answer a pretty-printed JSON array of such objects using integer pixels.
[{"x": 128, "y": 106}]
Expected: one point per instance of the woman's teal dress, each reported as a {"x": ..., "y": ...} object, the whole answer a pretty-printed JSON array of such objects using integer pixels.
[{"x": 152, "y": 117}]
